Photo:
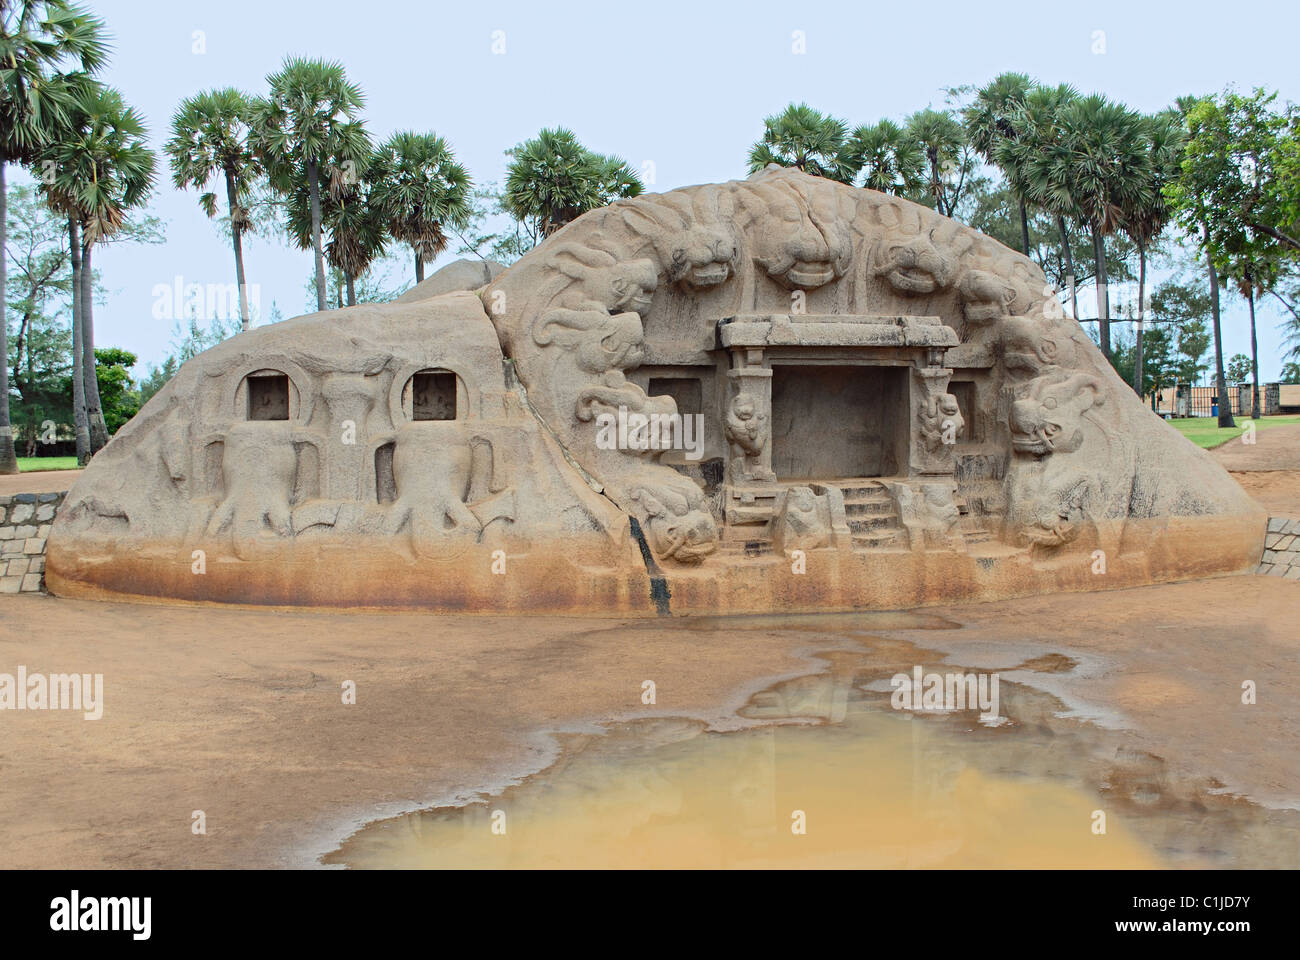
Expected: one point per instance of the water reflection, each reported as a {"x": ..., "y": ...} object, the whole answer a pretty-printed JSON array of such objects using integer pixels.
[{"x": 873, "y": 787}]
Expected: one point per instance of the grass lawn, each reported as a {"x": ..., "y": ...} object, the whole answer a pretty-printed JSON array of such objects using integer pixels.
[
  {"x": 28, "y": 464},
  {"x": 1205, "y": 432}
]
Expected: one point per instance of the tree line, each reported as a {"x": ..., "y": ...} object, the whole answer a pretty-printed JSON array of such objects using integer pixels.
[
  {"x": 1082, "y": 184},
  {"x": 1221, "y": 173}
]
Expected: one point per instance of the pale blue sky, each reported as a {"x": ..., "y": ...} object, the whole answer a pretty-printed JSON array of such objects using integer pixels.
[{"x": 681, "y": 85}]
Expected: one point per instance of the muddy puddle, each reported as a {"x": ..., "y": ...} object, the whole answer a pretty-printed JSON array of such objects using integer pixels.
[{"x": 824, "y": 771}]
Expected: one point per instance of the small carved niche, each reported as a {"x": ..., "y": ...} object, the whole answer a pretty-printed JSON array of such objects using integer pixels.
[
  {"x": 433, "y": 395},
  {"x": 687, "y": 392},
  {"x": 385, "y": 482},
  {"x": 964, "y": 391},
  {"x": 268, "y": 396}
]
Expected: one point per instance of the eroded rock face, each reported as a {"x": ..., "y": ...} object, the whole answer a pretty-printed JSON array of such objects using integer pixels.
[{"x": 941, "y": 431}]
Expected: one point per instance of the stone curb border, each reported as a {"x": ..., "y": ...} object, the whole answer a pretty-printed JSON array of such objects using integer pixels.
[
  {"x": 25, "y": 520},
  {"x": 1281, "y": 549}
]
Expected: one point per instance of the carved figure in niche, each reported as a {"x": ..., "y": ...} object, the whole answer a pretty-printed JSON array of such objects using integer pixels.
[
  {"x": 941, "y": 422},
  {"x": 259, "y": 467},
  {"x": 1048, "y": 420},
  {"x": 694, "y": 252},
  {"x": 747, "y": 432},
  {"x": 928, "y": 512},
  {"x": 671, "y": 512},
  {"x": 803, "y": 522},
  {"x": 794, "y": 246}
]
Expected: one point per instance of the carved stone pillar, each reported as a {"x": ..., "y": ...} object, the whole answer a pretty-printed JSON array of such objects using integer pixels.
[
  {"x": 348, "y": 399},
  {"x": 935, "y": 422},
  {"x": 747, "y": 418}
]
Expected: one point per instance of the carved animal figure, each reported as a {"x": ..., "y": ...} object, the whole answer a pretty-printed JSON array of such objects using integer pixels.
[
  {"x": 258, "y": 466},
  {"x": 1048, "y": 419},
  {"x": 747, "y": 432},
  {"x": 803, "y": 523},
  {"x": 941, "y": 421},
  {"x": 431, "y": 467},
  {"x": 698, "y": 255},
  {"x": 676, "y": 525},
  {"x": 917, "y": 259}
]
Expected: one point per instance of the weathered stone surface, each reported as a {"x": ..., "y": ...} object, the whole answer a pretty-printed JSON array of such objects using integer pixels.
[
  {"x": 11, "y": 547},
  {"x": 45, "y": 512},
  {"x": 17, "y": 567},
  {"x": 1276, "y": 524},
  {"x": 459, "y": 275},
  {"x": 50, "y": 497},
  {"x": 37, "y": 565},
  {"x": 876, "y": 384},
  {"x": 24, "y": 531},
  {"x": 33, "y": 545},
  {"x": 21, "y": 513},
  {"x": 31, "y": 583},
  {"x": 11, "y": 584}
]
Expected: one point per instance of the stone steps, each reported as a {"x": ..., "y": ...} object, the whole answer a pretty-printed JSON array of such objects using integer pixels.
[{"x": 869, "y": 510}]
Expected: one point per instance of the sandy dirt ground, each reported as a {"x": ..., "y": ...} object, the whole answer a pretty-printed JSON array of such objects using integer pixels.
[
  {"x": 1269, "y": 469},
  {"x": 239, "y": 713},
  {"x": 38, "y": 481}
]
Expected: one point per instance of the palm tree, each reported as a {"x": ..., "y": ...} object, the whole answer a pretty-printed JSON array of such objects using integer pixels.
[
  {"x": 1107, "y": 171},
  {"x": 308, "y": 127},
  {"x": 210, "y": 138},
  {"x": 1151, "y": 212},
  {"x": 807, "y": 140},
  {"x": 421, "y": 189},
  {"x": 890, "y": 159},
  {"x": 1037, "y": 165},
  {"x": 553, "y": 179},
  {"x": 942, "y": 140},
  {"x": 101, "y": 167},
  {"x": 1189, "y": 200},
  {"x": 990, "y": 119},
  {"x": 357, "y": 225},
  {"x": 38, "y": 38}
]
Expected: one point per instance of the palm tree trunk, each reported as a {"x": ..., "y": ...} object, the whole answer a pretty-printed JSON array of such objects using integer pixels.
[
  {"x": 1024, "y": 228},
  {"x": 1103, "y": 297},
  {"x": 313, "y": 182},
  {"x": 419, "y": 267},
  {"x": 1137, "y": 344},
  {"x": 8, "y": 457},
  {"x": 235, "y": 231},
  {"x": 1254, "y": 356},
  {"x": 352, "y": 289},
  {"x": 1069, "y": 266},
  {"x": 94, "y": 413},
  {"x": 79, "y": 423},
  {"x": 1220, "y": 381}
]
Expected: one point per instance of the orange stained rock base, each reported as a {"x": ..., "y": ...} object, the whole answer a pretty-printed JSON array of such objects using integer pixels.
[{"x": 371, "y": 576}]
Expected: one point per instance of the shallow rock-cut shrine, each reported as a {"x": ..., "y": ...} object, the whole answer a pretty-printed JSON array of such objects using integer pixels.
[{"x": 861, "y": 404}]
